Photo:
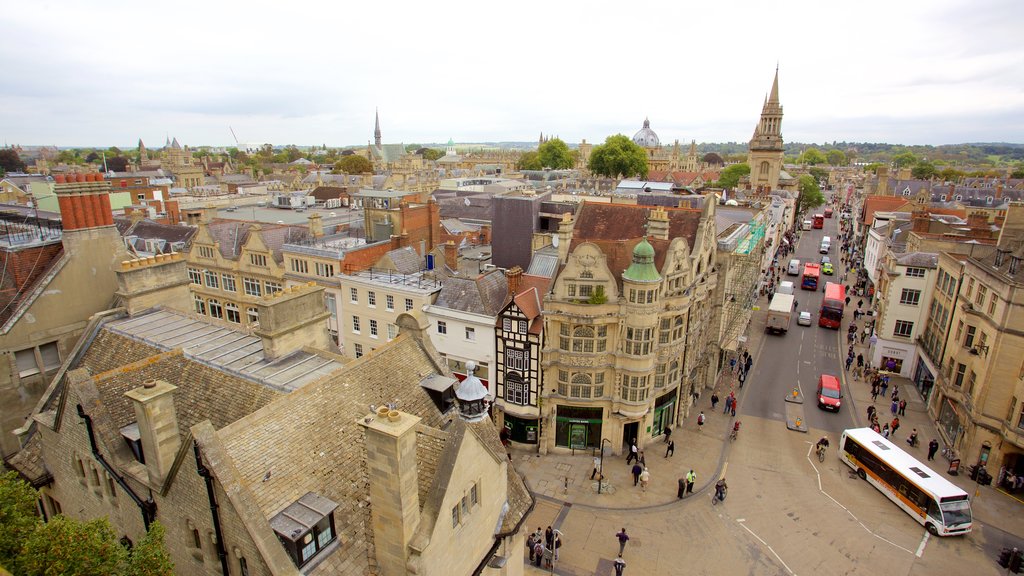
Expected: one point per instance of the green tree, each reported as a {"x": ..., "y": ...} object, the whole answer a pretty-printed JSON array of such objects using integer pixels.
[
  {"x": 730, "y": 176},
  {"x": 410, "y": 148},
  {"x": 836, "y": 157},
  {"x": 1018, "y": 170},
  {"x": 68, "y": 547},
  {"x": 353, "y": 164},
  {"x": 18, "y": 517},
  {"x": 618, "y": 157},
  {"x": 555, "y": 154},
  {"x": 432, "y": 154},
  {"x": 872, "y": 167},
  {"x": 819, "y": 174},
  {"x": 810, "y": 193},
  {"x": 10, "y": 161},
  {"x": 149, "y": 557},
  {"x": 904, "y": 159},
  {"x": 952, "y": 174},
  {"x": 812, "y": 156},
  {"x": 529, "y": 160},
  {"x": 923, "y": 170}
]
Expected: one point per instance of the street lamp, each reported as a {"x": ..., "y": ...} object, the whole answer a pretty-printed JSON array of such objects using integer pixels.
[{"x": 600, "y": 473}]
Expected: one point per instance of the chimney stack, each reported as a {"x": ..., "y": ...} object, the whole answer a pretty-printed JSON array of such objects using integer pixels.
[
  {"x": 316, "y": 225},
  {"x": 158, "y": 427},
  {"x": 394, "y": 487},
  {"x": 515, "y": 279},
  {"x": 84, "y": 201},
  {"x": 920, "y": 221},
  {"x": 451, "y": 256},
  {"x": 657, "y": 223},
  {"x": 293, "y": 318},
  {"x": 161, "y": 280},
  {"x": 564, "y": 236}
]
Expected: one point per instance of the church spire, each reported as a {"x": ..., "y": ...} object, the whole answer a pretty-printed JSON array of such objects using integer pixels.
[
  {"x": 775, "y": 87},
  {"x": 376, "y": 127}
]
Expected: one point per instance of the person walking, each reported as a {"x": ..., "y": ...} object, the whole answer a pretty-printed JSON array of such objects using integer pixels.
[
  {"x": 530, "y": 543},
  {"x": 933, "y": 447},
  {"x": 637, "y": 469},
  {"x": 895, "y": 426},
  {"x": 632, "y": 452},
  {"x": 691, "y": 479},
  {"x": 849, "y": 362},
  {"x": 623, "y": 538},
  {"x": 734, "y": 404},
  {"x": 749, "y": 362},
  {"x": 619, "y": 565},
  {"x": 671, "y": 450},
  {"x": 728, "y": 404},
  {"x": 700, "y": 421},
  {"x": 597, "y": 466},
  {"x": 885, "y": 430},
  {"x": 903, "y": 408},
  {"x": 681, "y": 491},
  {"x": 645, "y": 478},
  {"x": 714, "y": 400},
  {"x": 641, "y": 459},
  {"x": 668, "y": 434},
  {"x": 894, "y": 407}
]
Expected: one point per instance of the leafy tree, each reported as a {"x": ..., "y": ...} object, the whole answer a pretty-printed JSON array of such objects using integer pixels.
[
  {"x": 69, "y": 547},
  {"x": 951, "y": 174},
  {"x": 117, "y": 164},
  {"x": 92, "y": 157},
  {"x": 810, "y": 193},
  {"x": 409, "y": 148},
  {"x": 72, "y": 156},
  {"x": 114, "y": 151},
  {"x": 836, "y": 157},
  {"x": 819, "y": 174},
  {"x": 555, "y": 154},
  {"x": 923, "y": 170},
  {"x": 618, "y": 156},
  {"x": 353, "y": 164},
  {"x": 812, "y": 156},
  {"x": 713, "y": 159},
  {"x": 904, "y": 159},
  {"x": 1017, "y": 173},
  {"x": 529, "y": 160},
  {"x": 149, "y": 557},
  {"x": 872, "y": 168},
  {"x": 432, "y": 154},
  {"x": 10, "y": 161},
  {"x": 730, "y": 176},
  {"x": 18, "y": 517}
]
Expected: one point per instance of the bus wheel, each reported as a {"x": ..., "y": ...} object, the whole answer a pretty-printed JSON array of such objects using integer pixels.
[
  {"x": 863, "y": 475},
  {"x": 932, "y": 529}
]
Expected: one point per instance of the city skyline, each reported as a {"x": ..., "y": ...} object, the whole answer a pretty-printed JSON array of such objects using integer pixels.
[{"x": 906, "y": 73}]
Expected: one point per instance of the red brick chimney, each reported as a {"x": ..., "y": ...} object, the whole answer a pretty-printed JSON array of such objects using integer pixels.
[
  {"x": 451, "y": 255},
  {"x": 515, "y": 279},
  {"x": 84, "y": 201},
  {"x": 920, "y": 221}
]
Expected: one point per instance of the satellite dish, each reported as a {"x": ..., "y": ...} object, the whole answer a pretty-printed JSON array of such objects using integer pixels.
[
  {"x": 466, "y": 202},
  {"x": 554, "y": 240}
]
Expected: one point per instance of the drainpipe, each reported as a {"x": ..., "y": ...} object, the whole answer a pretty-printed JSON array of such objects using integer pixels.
[
  {"x": 205, "y": 473},
  {"x": 148, "y": 507}
]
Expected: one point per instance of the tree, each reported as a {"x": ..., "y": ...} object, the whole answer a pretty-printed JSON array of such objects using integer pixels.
[
  {"x": 618, "y": 157},
  {"x": 923, "y": 170},
  {"x": 10, "y": 161},
  {"x": 730, "y": 176},
  {"x": 117, "y": 164},
  {"x": 1018, "y": 170},
  {"x": 411, "y": 148},
  {"x": 18, "y": 517},
  {"x": 432, "y": 154},
  {"x": 819, "y": 174},
  {"x": 836, "y": 157},
  {"x": 353, "y": 164},
  {"x": 872, "y": 168},
  {"x": 69, "y": 547},
  {"x": 952, "y": 174},
  {"x": 812, "y": 156},
  {"x": 529, "y": 160},
  {"x": 810, "y": 193},
  {"x": 904, "y": 159},
  {"x": 555, "y": 154},
  {"x": 149, "y": 557}
]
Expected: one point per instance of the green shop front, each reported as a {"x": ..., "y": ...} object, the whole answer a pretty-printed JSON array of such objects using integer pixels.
[
  {"x": 664, "y": 413},
  {"x": 524, "y": 430},
  {"x": 577, "y": 427}
]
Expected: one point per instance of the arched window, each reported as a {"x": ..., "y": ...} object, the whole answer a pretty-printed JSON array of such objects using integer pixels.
[{"x": 764, "y": 167}]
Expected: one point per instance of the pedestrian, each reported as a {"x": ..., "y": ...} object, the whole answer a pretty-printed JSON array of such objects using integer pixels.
[
  {"x": 671, "y": 450},
  {"x": 874, "y": 393},
  {"x": 894, "y": 407},
  {"x": 847, "y": 300},
  {"x": 538, "y": 553},
  {"x": 734, "y": 403},
  {"x": 895, "y": 426},
  {"x": 885, "y": 430},
  {"x": 632, "y": 452},
  {"x": 895, "y": 391},
  {"x": 641, "y": 459},
  {"x": 620, "y": 565},
  {"x": 645, "y": 478},
  {"x": 728, "y": 404},
  {"x": 623, "y": 538},
  {"x": 871, "y": 412},
  {"x": 714, "y": 400},
  {"x": 549, "y": 537},
  {"x": 884, "y": 384},
  {"x": 742, "y": 377},
  {"x": 597, "y": 465},
  {"x": 860, "y": 360},
  {"x": 903, "y": 408},
  {"x": 933, "y": 447},
  {"x": 749, "y": 362},
  {"x": 530, "y": 543},
  {"x": 732, "y": 365},
  {"x": 558, "y": 542},
  {"x": 668, "y": 434},
  {"x": 860, "y": 303},
  {"x": 700, "y": 422},
  {"x": 849, "y": 362},
  {"x": 681, "y": 491},
  {"x": 691, "y": 479},
  {"x": 637, "y": 469}
]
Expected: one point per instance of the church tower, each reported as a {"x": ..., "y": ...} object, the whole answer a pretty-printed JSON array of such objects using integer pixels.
[
  {"x": 376, "y": 128},
  {"x": 765, "y": 153}
]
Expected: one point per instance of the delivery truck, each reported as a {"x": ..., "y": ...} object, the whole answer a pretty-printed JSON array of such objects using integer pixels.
[{"x": 780, "y": 311}]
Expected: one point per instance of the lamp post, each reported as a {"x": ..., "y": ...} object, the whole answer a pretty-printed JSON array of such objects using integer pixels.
[{"x": 600, "y": 473}]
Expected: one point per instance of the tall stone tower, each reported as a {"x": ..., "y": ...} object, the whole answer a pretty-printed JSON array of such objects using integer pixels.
[
  {"x": 376, "y": 128},
  {"x": 765, "y": 155}
]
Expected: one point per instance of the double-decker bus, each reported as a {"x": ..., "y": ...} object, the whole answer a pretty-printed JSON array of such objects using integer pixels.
[
  {"x": 819, "y": 221},
  {"x": 938, "y": 504},
  {"x": 812, "y": 272},
  {"x": 831, "y": 313}
]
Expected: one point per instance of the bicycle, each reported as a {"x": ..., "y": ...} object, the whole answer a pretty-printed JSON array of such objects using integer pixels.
[
  {"x": 948, "y": 453},
  {"x": 715, "y": 497},
  {"x": 821, "y": 453},
  {"x": 733, "y": 435}
]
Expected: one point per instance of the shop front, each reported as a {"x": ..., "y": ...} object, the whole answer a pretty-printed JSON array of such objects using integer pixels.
[
  {"x": 523, "y": 430},
  {"x": 577, "y": 427},
  {"x": 924, "y": 378},
  {"x": 949, "y": 421},
  {"x": 664, "y": 413},
  {"x": 892, "y": 357}
]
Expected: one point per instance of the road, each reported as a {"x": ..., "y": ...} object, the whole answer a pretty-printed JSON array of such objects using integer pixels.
[{"x": 799, "y": 356}]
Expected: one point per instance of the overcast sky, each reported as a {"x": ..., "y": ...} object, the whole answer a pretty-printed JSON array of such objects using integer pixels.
[{"x": 80, "y": 73}]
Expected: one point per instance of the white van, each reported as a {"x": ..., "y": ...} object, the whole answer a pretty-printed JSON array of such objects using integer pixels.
[
  {"x": 826, "y": 245},
  {"x": 785, "y": 287},
  {"x": 794, "y": 267},
  {"x": 807, "y": 224}
]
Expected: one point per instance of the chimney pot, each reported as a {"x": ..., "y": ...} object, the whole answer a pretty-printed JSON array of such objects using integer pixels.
[
  {"x": 151, "y": 383},
  {"x": 60, "y": 179}
]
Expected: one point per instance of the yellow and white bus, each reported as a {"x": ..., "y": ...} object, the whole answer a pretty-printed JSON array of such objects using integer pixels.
[{"x": 942, "y": 507}]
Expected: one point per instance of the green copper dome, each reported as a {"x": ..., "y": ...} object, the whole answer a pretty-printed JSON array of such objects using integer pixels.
[{"x": 642, "y": 269}]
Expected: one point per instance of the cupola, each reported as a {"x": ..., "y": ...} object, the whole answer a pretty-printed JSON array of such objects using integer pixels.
[{"x": 474, "y": 400}]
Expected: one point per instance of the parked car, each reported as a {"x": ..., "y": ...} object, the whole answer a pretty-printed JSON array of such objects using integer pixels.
[{"x": 804, "y": 319}]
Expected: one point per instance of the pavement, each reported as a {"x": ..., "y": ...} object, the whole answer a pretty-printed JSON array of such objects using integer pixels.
[{"x": 561, "y": 483}]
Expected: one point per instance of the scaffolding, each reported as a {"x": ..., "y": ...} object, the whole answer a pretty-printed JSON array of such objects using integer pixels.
[{"x": 745, "y": 248}]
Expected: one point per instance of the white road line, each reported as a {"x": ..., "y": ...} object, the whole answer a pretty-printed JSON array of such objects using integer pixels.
[
  {"x": 817, "y": 473},
  {"x": 770, "y": 549},
  {"x": 924, "y": 540}
]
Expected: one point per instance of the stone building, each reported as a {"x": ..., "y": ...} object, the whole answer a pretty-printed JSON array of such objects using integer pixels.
[
  {"x": 663, "y": 158},
  {"x": 630, "y": 334},
  {"x": 765, "y": 150},
  {"x": 178, "y": 162},
  {"x": 261, "y": 453}
]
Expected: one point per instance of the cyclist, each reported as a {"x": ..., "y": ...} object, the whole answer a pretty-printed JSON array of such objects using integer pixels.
[
  {"x": 735, "y": 430},
  {"x": 720, "y": 489},
  {"x": 822, "y": 444}
]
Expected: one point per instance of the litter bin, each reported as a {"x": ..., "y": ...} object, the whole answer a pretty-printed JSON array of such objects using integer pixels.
[{"x": 954, "y": 467}]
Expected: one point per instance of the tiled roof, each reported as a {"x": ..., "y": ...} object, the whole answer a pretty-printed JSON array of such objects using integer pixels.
[
  {"x": 321, "y": 418},
  {"x": 325, "y": 193},
  {"x": 484, "y": 294},
  {"x": 231, "y": 235},
  {"x": 28, "y": 462},
  {"x": 919, "y": 260},
  {"x": 406, "y": 260},
  {"x": 149, "y": 229}
]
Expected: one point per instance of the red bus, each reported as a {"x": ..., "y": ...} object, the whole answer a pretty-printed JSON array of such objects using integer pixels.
[
  {"x": 811, "y": 274},
  {"x": 819, "y": 221},
  {"x": 828, "y": 212},
  {"x": 831, "y": 313}
]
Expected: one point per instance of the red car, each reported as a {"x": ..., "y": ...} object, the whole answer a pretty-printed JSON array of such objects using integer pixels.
[{"x": 830, "y": 393}]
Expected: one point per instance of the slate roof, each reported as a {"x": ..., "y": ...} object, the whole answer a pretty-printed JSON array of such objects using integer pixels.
[
  {"x": 544, "y": 262},
  {"x": 406, "y": 260},
  {"x": 919, "y": 260},
  {"x": 231, "y": 235},
  {"x": 325, "y": 193},
  {"x": 484, "y": 294}
]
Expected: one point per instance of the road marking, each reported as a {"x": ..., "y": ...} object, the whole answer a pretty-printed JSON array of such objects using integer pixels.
[
  {"x": 725, "y": 467},
  {"x": 765, "y": 544},
  {"x": 817, "y": 473},
  {"x": 920, "y": 549}
]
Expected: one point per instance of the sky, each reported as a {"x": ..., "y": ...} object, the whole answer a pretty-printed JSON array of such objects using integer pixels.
[{"x": 88, "y": 73}]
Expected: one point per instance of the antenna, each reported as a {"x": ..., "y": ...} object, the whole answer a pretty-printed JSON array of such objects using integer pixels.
[{"x": 233, "y": 135}]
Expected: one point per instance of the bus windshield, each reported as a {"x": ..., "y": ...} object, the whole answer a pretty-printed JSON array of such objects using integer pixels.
[{"x": 956, "y": 513}]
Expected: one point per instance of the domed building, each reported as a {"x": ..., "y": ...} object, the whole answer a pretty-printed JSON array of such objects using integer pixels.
[
  {"x": 646, "y": 137},
  {"x": 663, "y": 159}
]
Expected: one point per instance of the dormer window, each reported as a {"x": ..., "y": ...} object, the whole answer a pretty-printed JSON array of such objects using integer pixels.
[
  {"x": 133, "y": 437},
  {"x": 306, "y": 527}
]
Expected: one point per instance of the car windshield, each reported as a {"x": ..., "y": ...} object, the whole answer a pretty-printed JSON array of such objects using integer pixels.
[
  {"x": 825, "y": 260},
  {"x": 956, "y": 513},
  {"x": 830, "y": 393}
]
